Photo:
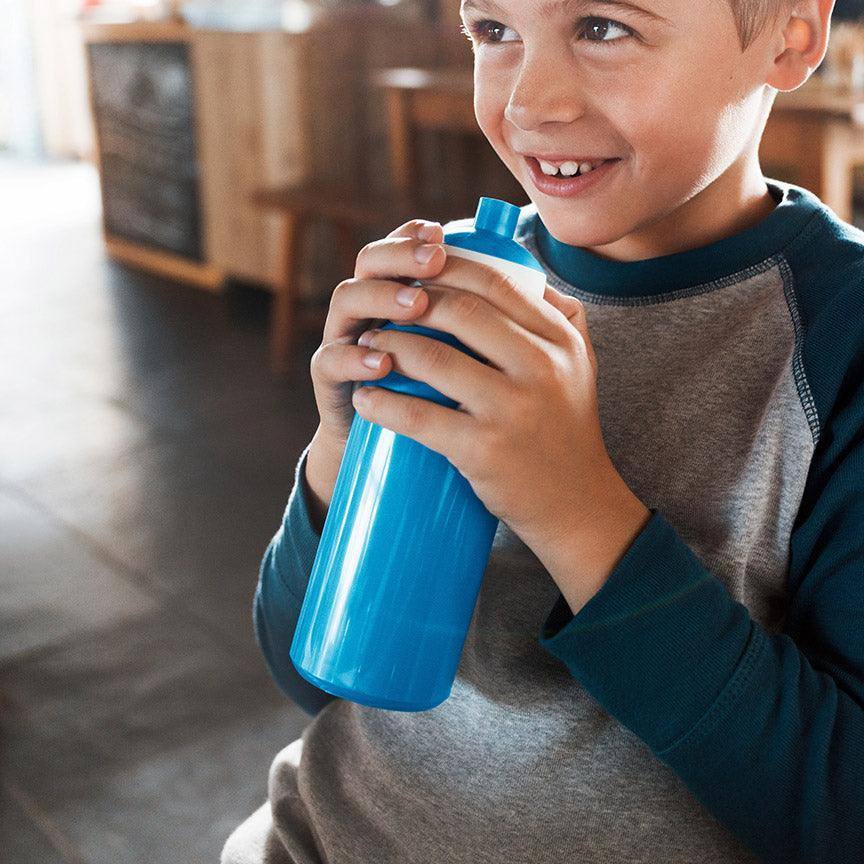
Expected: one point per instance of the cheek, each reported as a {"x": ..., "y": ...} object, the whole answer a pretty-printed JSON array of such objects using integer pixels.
[
  {"x": 670, "y": 124},
  {"x": 491, "y": 92},
  {"x": 490, "y": 101},
  {"x": 705, "y": 111}
]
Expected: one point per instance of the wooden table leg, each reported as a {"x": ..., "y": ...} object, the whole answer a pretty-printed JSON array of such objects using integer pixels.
[
  {"x": 282, "y": 317},
  {"x": 838, "y": 169}
]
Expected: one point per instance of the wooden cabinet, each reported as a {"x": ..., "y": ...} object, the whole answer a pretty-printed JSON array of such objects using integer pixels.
[
  {"x": 190, "y": 122},
  {"x": 273, "y": 108}
]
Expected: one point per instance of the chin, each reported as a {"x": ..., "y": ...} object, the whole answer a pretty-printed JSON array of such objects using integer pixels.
[{"x": 567, "y": 228}]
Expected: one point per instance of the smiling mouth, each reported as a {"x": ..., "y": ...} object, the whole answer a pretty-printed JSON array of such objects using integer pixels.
[
  {"x": 562, "y": 184},
  {"x": 568, "y": 169}
]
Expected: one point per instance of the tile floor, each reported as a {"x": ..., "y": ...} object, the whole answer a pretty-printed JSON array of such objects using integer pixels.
[{"x": 146, "y": 456}]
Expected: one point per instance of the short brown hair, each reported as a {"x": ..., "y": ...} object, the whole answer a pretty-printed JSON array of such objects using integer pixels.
[{"x": 752, "y": 16}]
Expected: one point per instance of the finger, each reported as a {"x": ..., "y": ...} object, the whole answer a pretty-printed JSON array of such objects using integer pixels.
[
  {"x": 485, "y": 329},
  {"x": 356, "y": 303},
  {"x": 447, "y": 369},
  {"x": 502, "y": 291},
  {"x": 428, "y": 230},
  {"x": 564, "y": 303},
  {"x": 405, "y": 255},
  {"x": 442, "y": 429},
  {"x": 343, "y": 360},
  {"x": 574, "y": 310},
  {"x": 414, "y": 233}
]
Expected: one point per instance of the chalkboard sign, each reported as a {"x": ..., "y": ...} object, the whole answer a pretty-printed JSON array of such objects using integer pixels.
[{"x": 144, "y": 113}]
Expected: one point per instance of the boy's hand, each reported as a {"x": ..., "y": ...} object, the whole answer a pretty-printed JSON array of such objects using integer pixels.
[
  {"x": 369, "y": 298},
  {"x": 527, "y": 431}
]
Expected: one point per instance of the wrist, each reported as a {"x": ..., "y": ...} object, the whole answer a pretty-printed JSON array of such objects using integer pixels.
[
  {"x": 581, "y": 557},
  {"x": 323, "y": 460}
]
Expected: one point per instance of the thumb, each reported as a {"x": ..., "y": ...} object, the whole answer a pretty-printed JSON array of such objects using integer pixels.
[{"x": 574, "y": 310}]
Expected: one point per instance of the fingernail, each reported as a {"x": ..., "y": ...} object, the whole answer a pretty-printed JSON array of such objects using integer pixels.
[
  {"x": 406, "y": 296},
  {"x": 373, "y": 359},
  {"x": 365, "y": 337},
  {"x": 424, "y": 253}
]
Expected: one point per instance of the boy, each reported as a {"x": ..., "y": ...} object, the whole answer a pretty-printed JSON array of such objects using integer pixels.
[{"x": 666, "y": 661}]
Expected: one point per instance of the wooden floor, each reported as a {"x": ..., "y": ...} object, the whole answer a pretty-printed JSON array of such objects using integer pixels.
[{"x": 146, "y": 457}]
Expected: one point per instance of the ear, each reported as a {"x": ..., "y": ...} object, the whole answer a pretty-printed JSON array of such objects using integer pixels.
[
  {"x": 803, "y": 44},
  {"x": 574, "y": 310}
]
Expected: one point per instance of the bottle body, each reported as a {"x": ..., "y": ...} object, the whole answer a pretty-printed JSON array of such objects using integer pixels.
[
  {"x": 399, "y": 565},
  {"x": 400, "y": 595}
]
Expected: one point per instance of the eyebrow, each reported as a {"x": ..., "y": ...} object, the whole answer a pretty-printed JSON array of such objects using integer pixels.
[{"x": 551, "y": 7}]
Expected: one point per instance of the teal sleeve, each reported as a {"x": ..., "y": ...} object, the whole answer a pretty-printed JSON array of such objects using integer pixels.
[
  {"x": 765, "y": 729},
  {"x": 282, "y": 579}
]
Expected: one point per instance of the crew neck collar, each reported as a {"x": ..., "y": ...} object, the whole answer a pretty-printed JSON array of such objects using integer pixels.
[{"x": 587, "y": 272}]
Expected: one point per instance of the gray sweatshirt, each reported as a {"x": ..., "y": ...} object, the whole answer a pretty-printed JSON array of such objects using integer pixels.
[{"x": 706, "y": 705}]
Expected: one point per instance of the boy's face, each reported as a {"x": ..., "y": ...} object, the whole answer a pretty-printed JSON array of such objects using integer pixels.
[{"x": 661, "y": 84}]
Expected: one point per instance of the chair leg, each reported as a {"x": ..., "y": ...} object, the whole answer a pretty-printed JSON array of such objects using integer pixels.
[{"x": 282, "y": 319}]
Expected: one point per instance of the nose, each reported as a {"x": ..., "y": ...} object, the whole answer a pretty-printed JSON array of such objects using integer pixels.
[{"x": 544, "y": 92}]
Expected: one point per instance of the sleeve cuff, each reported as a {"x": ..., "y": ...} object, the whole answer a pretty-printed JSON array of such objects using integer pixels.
[{"x": 659, "y": 642}]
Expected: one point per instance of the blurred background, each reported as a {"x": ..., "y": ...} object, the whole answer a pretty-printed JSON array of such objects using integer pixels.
[{"x": 182, "y": 185}]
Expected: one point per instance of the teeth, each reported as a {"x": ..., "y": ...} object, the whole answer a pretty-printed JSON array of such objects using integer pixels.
[{"x": 567, "y": 169}]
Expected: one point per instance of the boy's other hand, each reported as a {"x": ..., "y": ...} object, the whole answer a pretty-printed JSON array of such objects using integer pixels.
[
  {"x": 526, "y": 433},
  {"x": 383, "y": 270}
]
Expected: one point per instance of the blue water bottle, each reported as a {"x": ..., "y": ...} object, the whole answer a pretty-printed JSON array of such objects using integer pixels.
[{"x": 406, "y": 540}]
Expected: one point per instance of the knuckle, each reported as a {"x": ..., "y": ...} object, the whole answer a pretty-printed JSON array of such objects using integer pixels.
[
  {"x": 505, "y": 284},
  {"x": 366, "y": 253},
  {"x": 341, "y": 288},
  {"x": 326, "y": 357},
  {"x": 577, "y": 341},
  {"x": 315, "y": 359},
  {"x": 435, "y": 353},
  {"x": 319, "y": 361},
  {"x": 539, "y": 360},
  {"x": 483, "y": 450},
  {"x": 576, "y": 345},
  {"x": 412, "y": 226},
  {"x": 464, "y": 303},
  {"x": 558, "y": 370},
  {"x": 412, "y": 414},
  {"x": 545, "y": 360}
]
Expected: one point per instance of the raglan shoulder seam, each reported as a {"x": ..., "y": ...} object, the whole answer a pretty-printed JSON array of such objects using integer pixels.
[
  {"x": 797, "y": 304},
  {"x": 802, "y": 384}
]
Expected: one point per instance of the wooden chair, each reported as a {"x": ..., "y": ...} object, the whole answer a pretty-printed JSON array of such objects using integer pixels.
[{"x": 417, "y": 100}]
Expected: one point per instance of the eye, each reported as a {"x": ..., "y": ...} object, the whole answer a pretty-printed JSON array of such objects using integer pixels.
[
  {"x": 592, "y": 27},
  {"x": 601, "y": 27},
  {"x": 486, "y": 31}
]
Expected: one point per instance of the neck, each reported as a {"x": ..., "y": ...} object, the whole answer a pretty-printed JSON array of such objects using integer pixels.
[{"x": 732, "y": 203}]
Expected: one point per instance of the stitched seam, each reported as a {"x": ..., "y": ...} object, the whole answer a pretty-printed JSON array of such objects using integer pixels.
[
  {"x": 527, "y": 234},
  {"x": 734, "y": 688},
  {"x": 802, "y": 385}
]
